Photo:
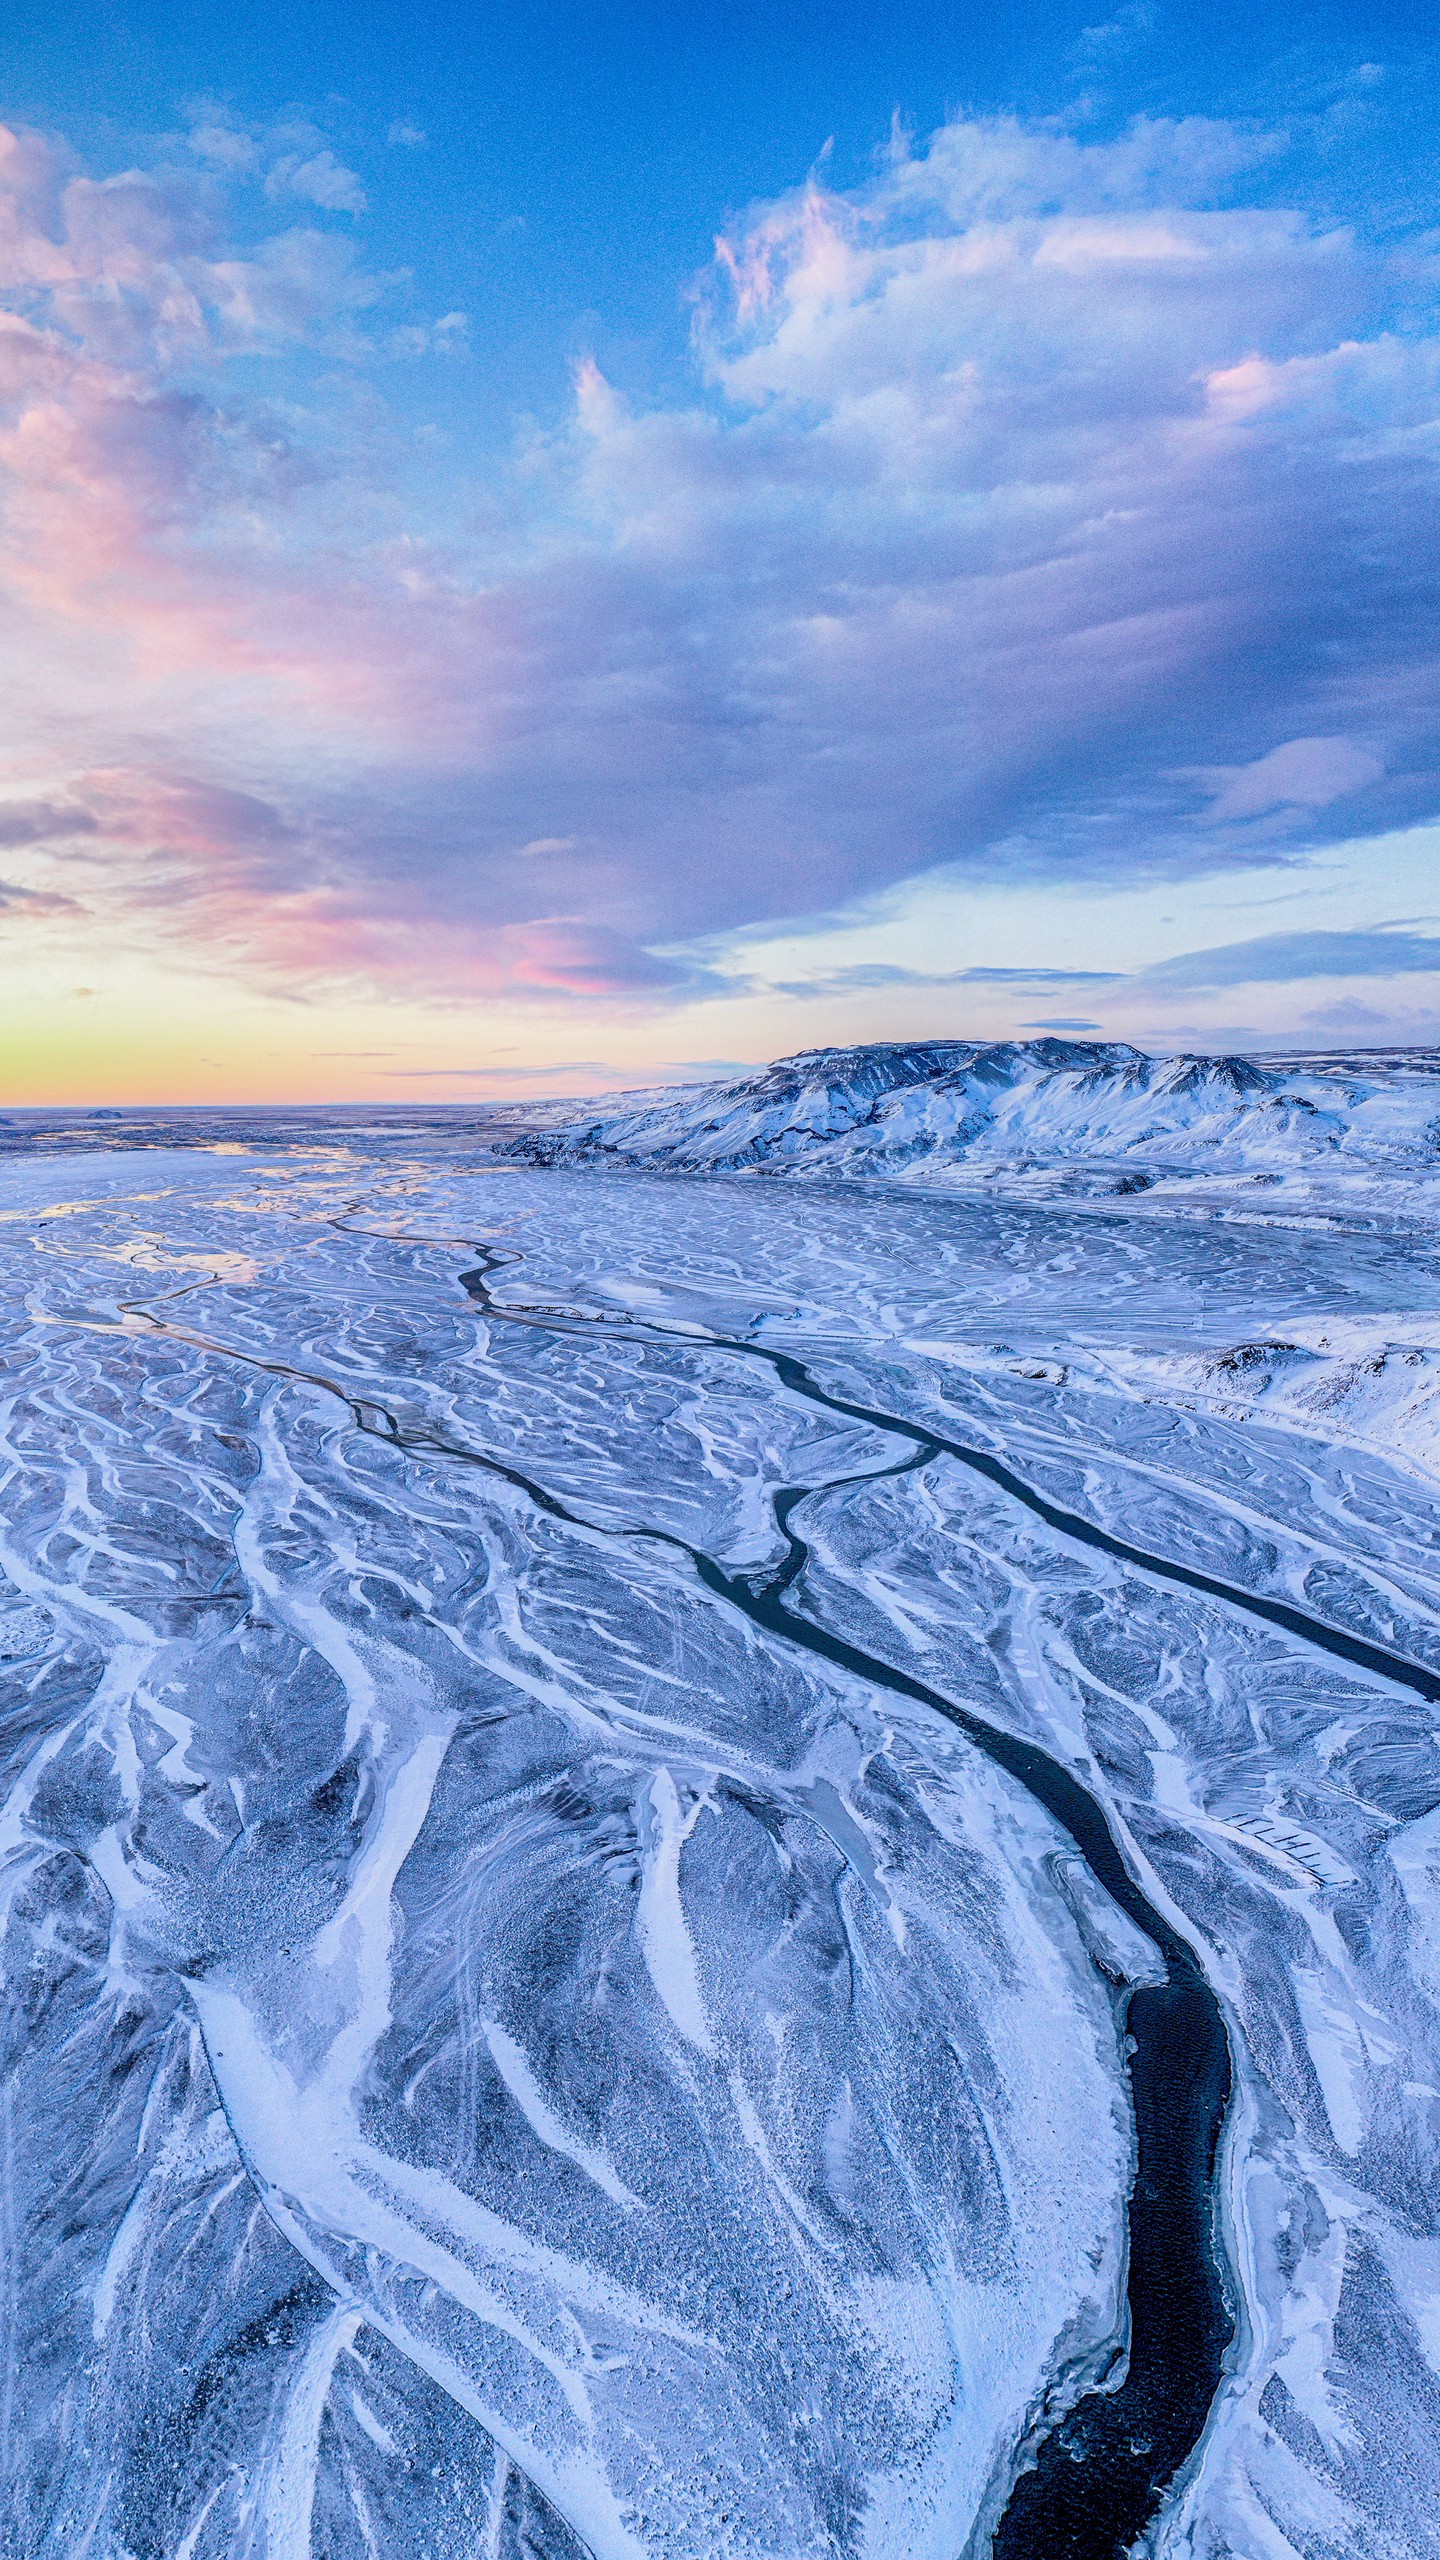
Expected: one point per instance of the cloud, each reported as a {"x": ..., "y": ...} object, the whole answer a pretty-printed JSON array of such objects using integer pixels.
[
  {"x": 1039, "y": 977},
  {"x": 295, "y": 157},
  {"x": 15, "y": 900},
  {"x": 525, "y": 1075},
  {"x": 447, "y": 336},
  {"x": 1098, "y": 47},
  {"x": 318, "y": 178},
  {"x": 1389, "y": 951},
  {"x": 866, "y": 976},
  {"x": 1043, "y": 508},
  {"x": 1274, "y": 959},
  {"x": 132, "y": 272},
  {"x": 406, "y": 135},
  {"x": 222, "y": 144},
  {"x": 1306, "y": 773},
  {"x": 25, "y": 822}
]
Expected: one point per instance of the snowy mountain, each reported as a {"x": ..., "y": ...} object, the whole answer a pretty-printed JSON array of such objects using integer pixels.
[{"x": 1099, "y": 1115}]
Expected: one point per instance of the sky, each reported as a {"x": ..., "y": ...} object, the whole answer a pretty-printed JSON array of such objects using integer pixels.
[{"x": 552, "y": 549}]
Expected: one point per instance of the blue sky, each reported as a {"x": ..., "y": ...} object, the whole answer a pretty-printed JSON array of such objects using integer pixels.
[
  {"x": 629, "y": 536},
  {"x": 578, "y": 162}
]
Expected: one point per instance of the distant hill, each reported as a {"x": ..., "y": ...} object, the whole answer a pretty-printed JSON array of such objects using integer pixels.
[{"x": 955, "y": 1113}]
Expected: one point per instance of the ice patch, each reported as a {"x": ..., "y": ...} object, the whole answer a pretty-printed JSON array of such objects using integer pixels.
[
  {"x": 510, "y": 2061},
  {"x": 666, "y": 1942}
]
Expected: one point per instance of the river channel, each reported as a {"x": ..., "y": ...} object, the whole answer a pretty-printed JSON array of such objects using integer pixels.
[{"x": 1095, "y": 2475}]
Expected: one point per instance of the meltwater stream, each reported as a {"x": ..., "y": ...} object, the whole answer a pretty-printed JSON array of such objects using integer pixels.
[{"x": 1101, "y": 2473}]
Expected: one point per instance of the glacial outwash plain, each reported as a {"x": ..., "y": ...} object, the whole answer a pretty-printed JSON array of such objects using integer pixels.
[{"x": 721, "y": 1818}]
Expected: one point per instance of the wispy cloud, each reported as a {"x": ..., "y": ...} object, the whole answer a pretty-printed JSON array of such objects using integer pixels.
[
  {"x": 503, "y": 1075},
  {"x": 866, "y": 977},
  {"x": 317, "y": 177},
  {"x": 17, "y": 900},
  {"x": 31, "y": 822},
  {"x": 1389, "y": 951},
  {"x": 290, "y": 159},
  {"x": 1304, "y": 773}
]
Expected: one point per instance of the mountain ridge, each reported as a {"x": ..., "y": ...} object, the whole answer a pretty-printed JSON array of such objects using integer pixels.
[{"x": 956, "y": 1111}]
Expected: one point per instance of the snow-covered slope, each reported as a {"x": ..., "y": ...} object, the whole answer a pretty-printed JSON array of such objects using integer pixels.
[
  {"x": 961, "y": 1111},
  {"x": 1374, "y": 1380}
]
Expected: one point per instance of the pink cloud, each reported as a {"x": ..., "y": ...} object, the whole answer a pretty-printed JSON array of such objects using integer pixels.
[{"x": 224, "y": 874}]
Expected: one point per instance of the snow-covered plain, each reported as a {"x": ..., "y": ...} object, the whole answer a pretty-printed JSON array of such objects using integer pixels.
[{"x": 507, "y": 2053}]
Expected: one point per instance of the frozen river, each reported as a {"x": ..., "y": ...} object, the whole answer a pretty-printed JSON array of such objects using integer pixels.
[{"x": 628, "y": 1804}]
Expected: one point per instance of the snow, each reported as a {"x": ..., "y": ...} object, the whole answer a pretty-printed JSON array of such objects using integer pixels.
[
  {"x": 1023, "y": 1113},
  {"x": 507, "y": 2054}
]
